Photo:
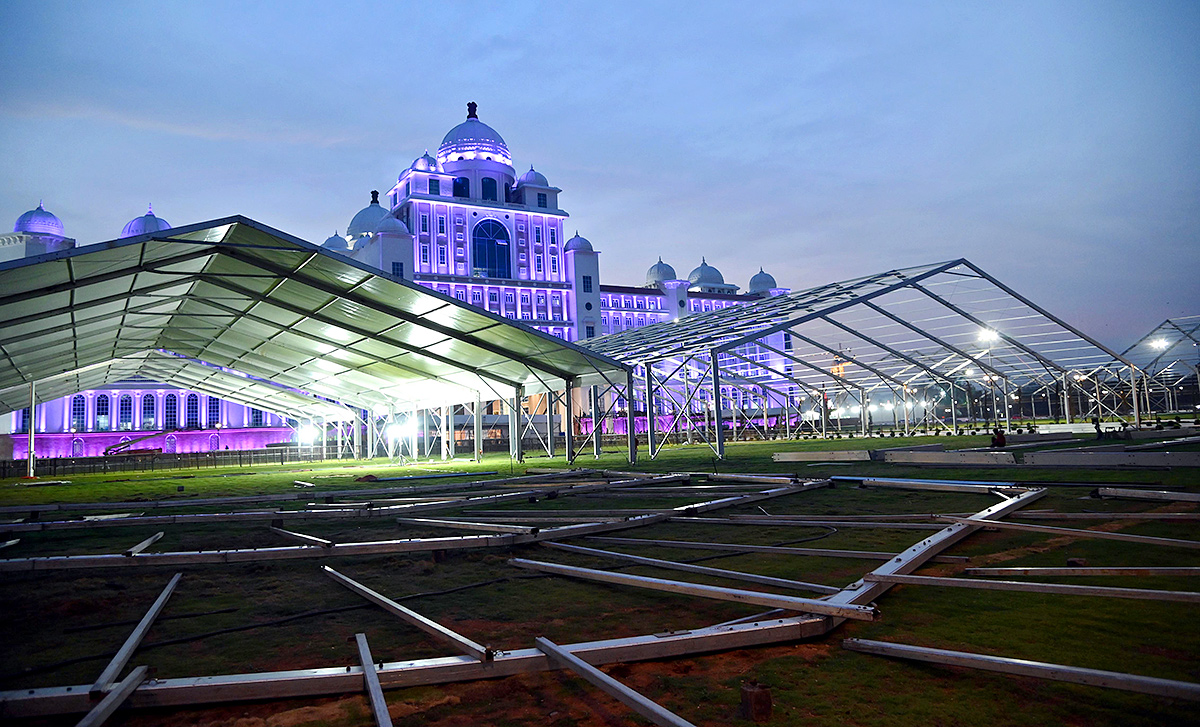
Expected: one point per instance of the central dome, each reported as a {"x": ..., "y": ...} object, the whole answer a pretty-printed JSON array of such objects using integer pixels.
[{"x": 473, "y": 140}]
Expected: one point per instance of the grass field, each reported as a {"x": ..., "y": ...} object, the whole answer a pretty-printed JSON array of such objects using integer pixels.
[{"x": 58, "y": 626}]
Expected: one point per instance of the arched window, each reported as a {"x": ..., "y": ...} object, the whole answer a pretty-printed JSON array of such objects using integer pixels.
[
  {"x": 214, "y": 442},
  {"x": 102, "y": 418},
  {"x": 125, "y": 413},
  {"x": 78, "y": 413},
  {"x": 170, "y": 412},
  {"x": 256, "y": 417},
  {"x": 193, "y": 411},
  {"x": 76, "y": 447},
  {"x": 148, "y": 411},
  {"x": 214, "y": 411},
  {"x": 489, "y": 250},
  {"x": 169, "y": 445},
  {"x": 487, "y": 188},
  {"x": 462, "y": 187}
]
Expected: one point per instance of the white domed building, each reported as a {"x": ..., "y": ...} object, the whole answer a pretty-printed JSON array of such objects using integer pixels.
[{"x": 464, "y": 223}]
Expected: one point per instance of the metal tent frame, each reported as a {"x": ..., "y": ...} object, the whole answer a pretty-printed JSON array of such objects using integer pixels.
[
  {"x": 242, "y": 298},
  {"x": 913, "y": 342}
]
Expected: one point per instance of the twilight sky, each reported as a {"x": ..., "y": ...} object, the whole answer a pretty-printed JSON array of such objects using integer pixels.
[{"x": 1055, "y": 144}]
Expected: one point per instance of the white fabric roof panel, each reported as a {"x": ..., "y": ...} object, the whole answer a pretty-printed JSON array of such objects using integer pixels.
[{"x": 235, "y": 293}]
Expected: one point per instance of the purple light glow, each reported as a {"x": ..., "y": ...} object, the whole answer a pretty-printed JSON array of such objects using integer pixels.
[{"x": 93, "y": 444}]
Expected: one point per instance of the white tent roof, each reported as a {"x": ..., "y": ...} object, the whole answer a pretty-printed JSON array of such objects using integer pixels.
[{"x": 237, "y": 294}]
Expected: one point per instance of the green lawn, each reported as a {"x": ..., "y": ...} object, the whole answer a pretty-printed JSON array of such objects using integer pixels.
[{"x": 812, "y": 684}]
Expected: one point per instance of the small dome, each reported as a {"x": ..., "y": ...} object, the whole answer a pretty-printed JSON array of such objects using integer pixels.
[
  {"x": 473, "y": 139},
  {"x": 389, "y": 225},
  {"x": 425, "y": 163},
  {"x": 578, "y": 244},
  {"x": 145, "y": 225},
  {"x": 706, "y": 275},
  {"x": 367, "y": 218},
  {"x": 39, "y": 222},
  {"x": 534, "y": 178},
  {"x": 659, "y": 272},
  {"x": 762, "y": 282},
  {"x": 335, "y": 242}
]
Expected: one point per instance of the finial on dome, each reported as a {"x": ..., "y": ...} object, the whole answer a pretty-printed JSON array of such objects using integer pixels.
[
  {"x": 703, "y": 261},
  {"x": 374, "y": 196},
  {"x": 149, "y": 208},
  {"x": 471, "y": 110}
]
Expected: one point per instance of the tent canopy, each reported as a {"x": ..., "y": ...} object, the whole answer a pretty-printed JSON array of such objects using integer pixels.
[{"x": 234, "y": 294}]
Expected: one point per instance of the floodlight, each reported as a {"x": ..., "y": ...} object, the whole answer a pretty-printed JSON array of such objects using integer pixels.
[{"x": 987, "y": 335}]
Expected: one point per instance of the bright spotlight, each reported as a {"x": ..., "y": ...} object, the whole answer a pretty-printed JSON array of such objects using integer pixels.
[
  {"x": 969, "y": 372},
  {"x": 307, "y": 434},
  {"x": 987, "y": 335},
  {"x": 1158, "y": 344}
]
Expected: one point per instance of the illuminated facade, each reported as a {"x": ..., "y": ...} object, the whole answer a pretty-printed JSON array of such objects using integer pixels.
[{"x": 463, "y": 223}]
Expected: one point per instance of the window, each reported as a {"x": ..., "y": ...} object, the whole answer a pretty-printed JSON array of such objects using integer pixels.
[
  {"x": 554, "y": 264},
  {"x": 102, "y": 413},
  {"x": 458, "y": 236},
  {"x": 398, "y": 270},
  {"x": 537, "y": 263},
  {"x": 214, "y": 411},
  {"x": 553, "y": 237},
  {"x": 476, "y": 297},
  {"x": 487, "y": 188},
  {"x": 537, "y": 236},
  {"x": 641, "y": 320},
  {"x": 407, "y": 188},
  {"x": 489, "y": 250},
  {"x": 493, "y": 296},
  {"x": 424, "y": 254},
  {"x": 169, "y": 445},
  {"x": 520, "y": 227},
  {"x": 441, "y": 225},
  {"x": 125, "y": 413},
  {"x": 76, "y": 447},
  {"x": 461, "y": 269},
  {"x": 508, "y": 297},
  {"x": 557, "y": 299},
  {"x": 214, "y": 442},
  {"x": 256, "y": 417},
  {"x": 521, "y": 257},
  {"x": 525, "y": 316},
  {"x": 424, "y": 223},
  {"x": 148, "y": 411},
  {"x": 524, "y": 298},
  {"x": 587, "y": 283},
  {"x": 590, "y": 331},
  {"x": 170, "y": 412},
  {"x": 435, "y": 186},
  {"x": 462, "y": 187},
  {"x": 461, "y": 294},
  {"x": 541, "y": 199},
  {"x": 640, "y": 303},
  {"x": 192, "y": 411},
  {"x": 441, "y": 254},
  {"x": 541, "y": 299}
]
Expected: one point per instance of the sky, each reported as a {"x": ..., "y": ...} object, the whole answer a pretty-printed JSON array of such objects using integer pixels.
[{"x": 1054, "y": 144}]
